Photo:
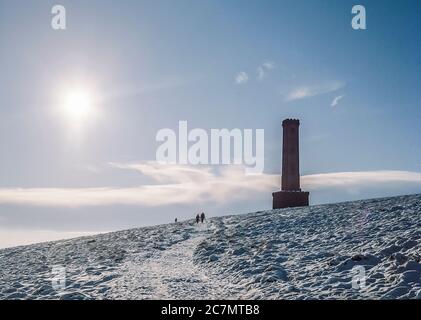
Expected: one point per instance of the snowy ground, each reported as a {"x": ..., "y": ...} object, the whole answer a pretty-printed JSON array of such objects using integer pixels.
[{"x": 361, "y": 250}]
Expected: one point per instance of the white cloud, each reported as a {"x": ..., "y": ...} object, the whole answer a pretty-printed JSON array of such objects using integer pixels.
[
  {"x": 336, "y": 101},
  {"x": 264, "y": 69},
  {"x": 242, "y": 78},
  {"x": 311, "y": 91},
  {"x": 269, "y": 65},
  {"x": 169, "y": 173},
  {"x": 199, "y": 184},
  {"x": 177, "y": 185},
  {"x": 359, "y": 178}
]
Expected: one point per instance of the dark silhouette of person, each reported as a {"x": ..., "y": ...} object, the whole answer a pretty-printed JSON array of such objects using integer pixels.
[
  {"x": 197, "y": 218},
  {"x": 202, "y": 217},
  {"x": 175, "y": 220}
]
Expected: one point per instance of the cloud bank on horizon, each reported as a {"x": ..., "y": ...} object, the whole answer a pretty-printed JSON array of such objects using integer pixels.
[{"x": 183, "y": 184}]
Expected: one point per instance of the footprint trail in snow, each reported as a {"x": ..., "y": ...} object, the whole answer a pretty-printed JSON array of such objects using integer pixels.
[{"x": 169, "y": 274}]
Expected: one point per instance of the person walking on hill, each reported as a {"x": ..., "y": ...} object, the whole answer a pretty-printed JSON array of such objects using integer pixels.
[
  {"x": 202, "y": 217},
  {"x": 197, "y": 218}
]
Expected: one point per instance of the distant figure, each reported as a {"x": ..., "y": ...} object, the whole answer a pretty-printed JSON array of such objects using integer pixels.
[
  {"x": 197, "y": 218},
  {"x": 202, "y": 217},
  {"x": 175, "y": 220}
]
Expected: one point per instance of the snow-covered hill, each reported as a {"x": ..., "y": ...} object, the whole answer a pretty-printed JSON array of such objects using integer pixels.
[{"x": 359, "y": 250}]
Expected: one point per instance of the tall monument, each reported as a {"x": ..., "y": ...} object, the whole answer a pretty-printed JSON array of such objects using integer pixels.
[{"x": 290, "y": 194}]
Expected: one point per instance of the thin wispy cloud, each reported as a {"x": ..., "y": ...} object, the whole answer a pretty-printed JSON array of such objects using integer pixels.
[
  {"x": 147, "y": 87},
  {"x": 242, "y": 78},
  {"x": 312, "y": 91},
  {"x": 264, "y": 69},
  {"x": 336, "y": 100},
  {"x": 175, "y": 184},
  {"x": 169, "y": 173}
]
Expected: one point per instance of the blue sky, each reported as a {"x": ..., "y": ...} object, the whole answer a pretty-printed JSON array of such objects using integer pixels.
[{"x": 150, "y": 64}]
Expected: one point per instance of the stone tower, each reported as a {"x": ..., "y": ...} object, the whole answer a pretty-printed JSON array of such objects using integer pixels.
[{"x": 290, "y": 194}]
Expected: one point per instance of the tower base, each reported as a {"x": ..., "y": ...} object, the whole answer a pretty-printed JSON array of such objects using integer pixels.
[{"x": 290, "y": 199}]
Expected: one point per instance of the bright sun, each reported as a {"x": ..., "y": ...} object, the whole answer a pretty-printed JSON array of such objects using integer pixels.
[{"x": 78, "y": 105}]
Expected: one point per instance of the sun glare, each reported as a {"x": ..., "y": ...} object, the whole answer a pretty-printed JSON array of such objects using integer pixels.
[{"x": 78, "y": 105}]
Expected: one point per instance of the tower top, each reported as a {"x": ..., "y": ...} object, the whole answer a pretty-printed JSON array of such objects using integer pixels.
[{"x": 288, "y": 122}]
